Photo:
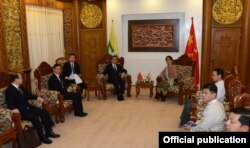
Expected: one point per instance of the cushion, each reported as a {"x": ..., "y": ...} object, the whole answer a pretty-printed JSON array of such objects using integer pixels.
[
  {"x": 62, "y": 61},
  {"x": 188, "y": 83},
  {"x": 200, "y": 106},
  {"x": 6, "y": 121},
  {"x": 67, "y": 103},
  {"x": 35, "y": 103},
  {"x": 99, "y": 78},
  {"x": 110, "y": 86},
  {"x": 44, "y": 81},
  {"x": 74, "y": 87},
  {"x": 2, "y": 98},
  {"x": 101, "y": 67},
  {"x": 49, "y": 96},
  {"x": 175, "y": 89},
  {"x": 183, "y": 71}
]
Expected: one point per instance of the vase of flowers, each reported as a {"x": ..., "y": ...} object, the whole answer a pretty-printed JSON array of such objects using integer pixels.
[{"x": 144, "y": 78}]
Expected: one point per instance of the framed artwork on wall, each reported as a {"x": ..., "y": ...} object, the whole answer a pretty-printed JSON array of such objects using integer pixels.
[{"x": 160, "y": 35}]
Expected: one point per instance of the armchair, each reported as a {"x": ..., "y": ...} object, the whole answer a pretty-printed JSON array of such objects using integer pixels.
[
  {"x": 57, "y": 103},
  {"x": 102, "y": 81},
  {"x": 185, "y": 75}
]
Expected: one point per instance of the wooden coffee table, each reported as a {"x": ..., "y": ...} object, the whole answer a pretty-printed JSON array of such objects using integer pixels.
[{"x": 149, "y": 85}]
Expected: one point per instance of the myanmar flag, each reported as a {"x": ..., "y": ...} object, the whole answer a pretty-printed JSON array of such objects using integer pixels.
[
  {"x": 192, "y": 52},
  {"x": 113, "y": 48}
]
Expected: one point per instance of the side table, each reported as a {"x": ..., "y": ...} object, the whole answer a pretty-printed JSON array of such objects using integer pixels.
[
  {"x": 92, "y": 87},
  {"x": 149, "y": 85}
]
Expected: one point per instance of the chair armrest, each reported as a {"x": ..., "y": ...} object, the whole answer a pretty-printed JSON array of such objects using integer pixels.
[
  {"x": 128, "y": 78},
  {"x": 16, "y": 117},
  {"x": 61, "y": 100},
  {"x": 103, "y": 83},
  {"x": 158, "y": 79}
]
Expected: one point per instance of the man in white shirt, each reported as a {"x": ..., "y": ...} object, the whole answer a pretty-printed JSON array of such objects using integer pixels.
[
  {"x": 214, "y": 113},
  {"x": 217, "y": 77}
]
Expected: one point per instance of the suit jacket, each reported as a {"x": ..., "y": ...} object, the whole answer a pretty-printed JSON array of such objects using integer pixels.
[
  {"x": 55, "y": 84},
  {"x": 16, "y": 100},
  {"x": 114, "y": 75},
  {"x": 67, "y": 69}
]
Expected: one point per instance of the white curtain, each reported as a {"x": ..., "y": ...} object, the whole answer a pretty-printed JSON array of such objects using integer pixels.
[{"x": 45, "y": 36}]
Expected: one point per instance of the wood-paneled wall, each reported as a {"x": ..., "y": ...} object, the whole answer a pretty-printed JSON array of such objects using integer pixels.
[
  {"x": 93, "y": 41},
  {"x": 225, "y": 45}
]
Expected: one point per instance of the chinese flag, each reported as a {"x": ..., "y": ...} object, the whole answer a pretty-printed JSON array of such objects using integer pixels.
[
  {"x": 192, "y": 52},
  {"x": 139, "y": 76}
]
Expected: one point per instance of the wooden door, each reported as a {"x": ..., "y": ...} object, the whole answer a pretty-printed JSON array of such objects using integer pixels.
[
  {"x": 92, "y": 45},
  {"x": 225, "y": 43}
]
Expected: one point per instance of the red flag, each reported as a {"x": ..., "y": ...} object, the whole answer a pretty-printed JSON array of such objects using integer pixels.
[
  {"x": 192, "y": 52},
  {"x": 139, "y": 77}
]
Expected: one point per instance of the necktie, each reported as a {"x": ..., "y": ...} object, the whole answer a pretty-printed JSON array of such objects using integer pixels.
[
  {"x": 72, "y": 68},
  {"x": 115, "y": 67},
  {"x": 20, "y": 90},
  {"x": 61, "y": 82}
]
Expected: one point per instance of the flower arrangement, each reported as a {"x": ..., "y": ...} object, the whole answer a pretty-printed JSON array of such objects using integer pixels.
[{"x": 144, "y": 78}]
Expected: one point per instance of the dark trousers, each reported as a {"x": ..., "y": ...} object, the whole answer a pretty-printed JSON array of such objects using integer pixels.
[
  {"x": 77, "y": 101},
  {"x": 33, "y": 114},
  {"x": 187, "y": 109},
  {"x": 119, "y": 85}
]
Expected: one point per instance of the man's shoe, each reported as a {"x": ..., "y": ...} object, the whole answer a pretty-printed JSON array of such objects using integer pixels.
[
  {"x": 52, "y": 135},
  {"x": 46, "y": 140},
  {"x": 83, "y": 114}
]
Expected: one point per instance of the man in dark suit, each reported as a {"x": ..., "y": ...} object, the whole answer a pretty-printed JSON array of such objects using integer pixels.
[
  {"x": 17, "y": 100},
  {"x": 115, "y": 72},
  {"x": 70, "y": 68},
  {"x": 57, "y": 82}
]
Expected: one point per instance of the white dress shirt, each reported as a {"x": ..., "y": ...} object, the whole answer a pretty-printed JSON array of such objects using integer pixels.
[
  {"x": 220, "y": 90},
  {"x": 213, "y": 118}
]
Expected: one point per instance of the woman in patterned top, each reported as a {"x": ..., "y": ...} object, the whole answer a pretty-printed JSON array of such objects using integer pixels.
[{"x": 168, "y": 76}]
